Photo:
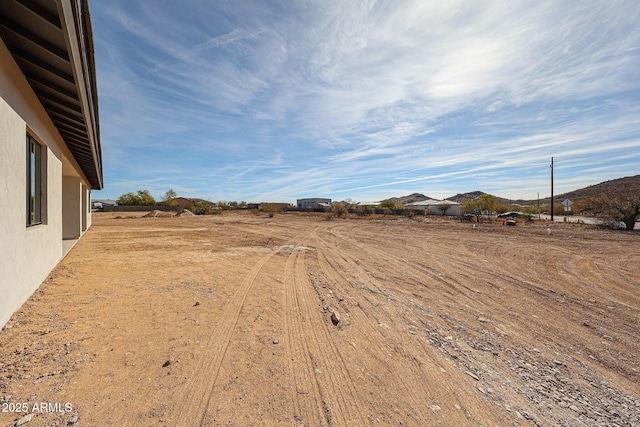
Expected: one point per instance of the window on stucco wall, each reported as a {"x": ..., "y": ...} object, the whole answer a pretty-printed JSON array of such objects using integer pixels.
[{"x": 34, "y": 181}]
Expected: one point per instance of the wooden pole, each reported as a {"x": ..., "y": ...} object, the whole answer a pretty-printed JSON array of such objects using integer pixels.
[{"x": 551, "y": 188}]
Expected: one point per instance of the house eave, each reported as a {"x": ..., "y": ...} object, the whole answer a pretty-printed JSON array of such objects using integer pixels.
[{"x": 52, "y": 43}]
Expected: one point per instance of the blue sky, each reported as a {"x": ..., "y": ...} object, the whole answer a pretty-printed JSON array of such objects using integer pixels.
[{"x": 278, "y": 100}]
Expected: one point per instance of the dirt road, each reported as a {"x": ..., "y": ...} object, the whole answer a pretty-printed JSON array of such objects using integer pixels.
[{"x": 233, "y": 320}]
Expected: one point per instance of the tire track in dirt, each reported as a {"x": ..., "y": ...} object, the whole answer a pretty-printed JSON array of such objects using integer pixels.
[
  {"x": 440, "y": 273},
  {"x": 459, "y": 293},
  {"x": 197, "y": 396},
  {"x": 530, "y": 286},
  {"x": 306, "y": 397},
  {"x": 373, "y": 336},
  {"x": 334, "y": 383},
  {"x": 423, "y": 392}
]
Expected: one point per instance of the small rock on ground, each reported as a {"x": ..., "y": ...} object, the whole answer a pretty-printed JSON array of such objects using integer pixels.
[
  {"x": 24, "y": 419},
  {"x": 335, "y": 317}
]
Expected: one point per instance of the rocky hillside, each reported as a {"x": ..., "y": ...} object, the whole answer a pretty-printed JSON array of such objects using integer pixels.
[
  {"x": 630, "y": 182},
  {"x": 415, "y": 197},
  {"x": 474, "y": 195}
]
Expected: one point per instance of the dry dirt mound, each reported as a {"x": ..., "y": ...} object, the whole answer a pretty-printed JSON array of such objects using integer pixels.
[
  {"x": 156, "y": 213},
  {"x": 185, "y": 212}
]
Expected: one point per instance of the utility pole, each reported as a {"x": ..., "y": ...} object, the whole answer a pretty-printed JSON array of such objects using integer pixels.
[
  {"x": 538, "y": 205},
  {"x": 551, "y": 188}
]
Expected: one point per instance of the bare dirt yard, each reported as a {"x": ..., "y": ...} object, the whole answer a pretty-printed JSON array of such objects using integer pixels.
[{"x": 244, "y": 320}]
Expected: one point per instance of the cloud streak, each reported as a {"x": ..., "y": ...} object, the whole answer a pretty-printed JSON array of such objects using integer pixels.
[{"x": 367, "y": 99}]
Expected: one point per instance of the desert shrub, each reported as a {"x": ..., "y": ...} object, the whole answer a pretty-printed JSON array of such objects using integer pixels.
[
  {"x": 268, "y": 209},
  {"x": 340, "y": 209},
  {"x": 202, "y": 207},
  {"x": 612, "y": 224},
  {"x": 364, "y": 210},
  {"x": 531, "y": 210}
]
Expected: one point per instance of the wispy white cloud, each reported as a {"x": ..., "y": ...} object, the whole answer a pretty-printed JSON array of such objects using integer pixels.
[{"x": 267, "y": 99}]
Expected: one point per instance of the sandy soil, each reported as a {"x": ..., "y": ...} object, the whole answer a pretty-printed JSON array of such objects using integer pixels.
[{"x": 227, "y": 320}]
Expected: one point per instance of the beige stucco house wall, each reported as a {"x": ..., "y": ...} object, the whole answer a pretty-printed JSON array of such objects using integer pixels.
[{"x": 29, "y": 252}]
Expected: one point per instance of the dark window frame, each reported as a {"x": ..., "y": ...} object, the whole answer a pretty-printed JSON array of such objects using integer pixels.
[{"x": 35, "y": 194}]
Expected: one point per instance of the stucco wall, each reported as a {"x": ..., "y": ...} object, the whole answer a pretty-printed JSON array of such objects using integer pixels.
[
  {"x": 311, "y": 203},
  {"x": 27, "y": 254}
]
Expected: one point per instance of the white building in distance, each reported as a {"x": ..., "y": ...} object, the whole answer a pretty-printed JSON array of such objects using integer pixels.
[
  {"x": 435, "y": 206},
  {"x": 313, "y": 204}
]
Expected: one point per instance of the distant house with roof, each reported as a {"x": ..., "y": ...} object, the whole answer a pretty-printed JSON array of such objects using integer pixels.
[
  {"x": 435, "y": 206},
  {"x": 313, "y": 204}
]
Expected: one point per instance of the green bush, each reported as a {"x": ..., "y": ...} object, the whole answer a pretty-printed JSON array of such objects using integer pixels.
[
  {"x": 139, "y": 198},
  {"x": 202, "y": 207}
]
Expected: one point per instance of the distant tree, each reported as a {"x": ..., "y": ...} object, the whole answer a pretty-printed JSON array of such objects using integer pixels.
[
  {"x": 472, "y": 207},
  {"x": 146, "y": 198},
  {"x": 444, "y": 207},
  {"x": 139, "y": 198},
  {"x": 388, "y": 204},
  {"x": 558, "y": 209},
  {"x": 583, "y": 206},
  {"x": 501, "y": 208},
  {"x": 487, "y": 203},
  {"x": 128, "y": 199},
  {"x": 619, "y": 205},
  {"x": 169, "y": 198}
]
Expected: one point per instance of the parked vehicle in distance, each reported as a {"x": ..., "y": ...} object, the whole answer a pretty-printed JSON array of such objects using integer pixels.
[{"x": 511, "y": 214}]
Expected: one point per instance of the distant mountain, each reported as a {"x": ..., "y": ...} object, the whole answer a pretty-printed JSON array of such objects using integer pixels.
[
  {"x": 415, "y": 197},
  {"x": 474, "y": 195},
  {"x": 465, "y": 197},
  {"x": 631, "y": 182}
]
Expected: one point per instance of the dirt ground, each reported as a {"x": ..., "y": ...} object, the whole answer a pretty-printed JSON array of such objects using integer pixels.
[{"x": 226, "y": 320}]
